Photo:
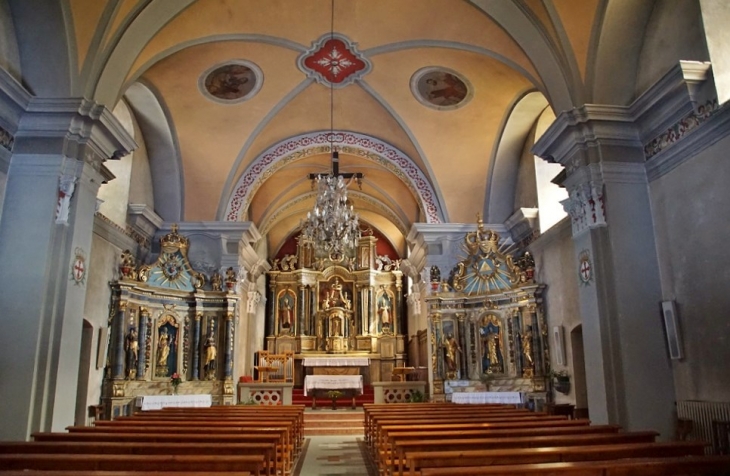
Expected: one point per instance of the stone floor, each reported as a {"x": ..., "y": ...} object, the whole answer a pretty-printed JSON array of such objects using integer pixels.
[{"x": 334, "y": 455}]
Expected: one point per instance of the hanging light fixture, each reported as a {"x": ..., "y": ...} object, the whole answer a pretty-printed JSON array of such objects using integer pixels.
[{"x": 332, "y": 226}]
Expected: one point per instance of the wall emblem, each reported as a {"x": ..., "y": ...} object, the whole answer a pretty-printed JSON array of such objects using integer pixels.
[
  {"x": 585, "y": 267},
  {"x": 333, "y": 60},
  {"x": 232, "y": 82},
  {"x": 440, "y": 88},
  {"x": 78, "y": 267}
]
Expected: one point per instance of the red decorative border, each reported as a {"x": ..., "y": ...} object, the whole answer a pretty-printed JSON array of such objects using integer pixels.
[{"x": 252, "y": 177}]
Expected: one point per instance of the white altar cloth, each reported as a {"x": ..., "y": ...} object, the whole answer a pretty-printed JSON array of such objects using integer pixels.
[
  {"x": 156, "y": 402},
  {"x": 336, "y": 362},
  {"x": 332, "y": 382},
  {"x": 486, "y": 397}
]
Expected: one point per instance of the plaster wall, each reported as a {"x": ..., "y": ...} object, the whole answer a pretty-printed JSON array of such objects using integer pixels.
[
  {"x": 115, "y": 193},
  {"x": 102, "y": 269},
  {"x": 674, "y": 32},
  {"x": 140, "y": 186},
  {"x": 690, "y": 209},
  {"x": 526, "y": 187},
  {"x": 554, "y": 254},
  {"x": 9, "y": 56}
]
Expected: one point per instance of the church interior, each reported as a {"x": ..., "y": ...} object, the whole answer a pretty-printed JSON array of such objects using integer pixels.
[{"x": 528, "y": 198}]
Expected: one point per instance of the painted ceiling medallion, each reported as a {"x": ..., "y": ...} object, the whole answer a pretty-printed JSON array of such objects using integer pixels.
[
  {"x": 440, "y": 88},
  {"x": 334, "y": 61},
  {"x": 234, "y": 81}
]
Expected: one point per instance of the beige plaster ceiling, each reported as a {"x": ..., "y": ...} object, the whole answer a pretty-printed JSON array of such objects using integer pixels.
[{"x": 453, "y": 149}]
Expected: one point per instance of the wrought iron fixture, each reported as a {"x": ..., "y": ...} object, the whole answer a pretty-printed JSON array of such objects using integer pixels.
[{"x": 332, "y": 226}]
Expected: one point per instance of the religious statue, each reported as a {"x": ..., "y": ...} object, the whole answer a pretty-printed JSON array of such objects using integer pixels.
[
  {"x": 210, "y": 356},
  {"x": 451, "y": 349},
  {"x": 285, "y": 311},
  {"x": 164, "y": 344},
  {"x": 131, "y": 349},
  {"x": 526, "y": 340},
  {"x": 216, "y": 281},
  {"x": 385, "y": 308},
  {"x": 335, "y": 297},
  {"x": 492, "y": 357},
  {"x": 128, "y": 265},
  {"x": 230, "y": 278},
  {"x": 435, "y": 274}
]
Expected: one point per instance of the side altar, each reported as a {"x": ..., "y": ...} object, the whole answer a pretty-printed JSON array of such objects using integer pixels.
[
  {"x": 487, "y": 324},
  {"x": 332, "y": 307},
  {"x": 168, "y": 320}
]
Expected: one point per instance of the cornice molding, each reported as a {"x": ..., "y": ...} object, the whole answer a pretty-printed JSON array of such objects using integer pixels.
[
  {"x": 76, "y": 120},
  {"x": 14, "y": 101}
]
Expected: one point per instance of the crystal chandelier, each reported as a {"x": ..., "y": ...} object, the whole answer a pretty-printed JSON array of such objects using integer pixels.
[{"x": 332, "y": 226}]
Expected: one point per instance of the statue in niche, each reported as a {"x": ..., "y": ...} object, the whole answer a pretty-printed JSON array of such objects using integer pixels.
[
  {"x": 385, "y": 308},
  {"x": 165, "y": 350},
  {"x": 286, "y": 310},
  {"x": 451, "y": 351},
  {"x": 529, "y": 363},
  {"x": 491, "y": 335},
  {"x": 131, "y": 349},
  {"x": 335, "y": 297},
  {"x": 211, "y": 354}
]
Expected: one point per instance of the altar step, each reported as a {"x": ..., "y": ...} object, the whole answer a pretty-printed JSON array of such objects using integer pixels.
[
  {"x": 368, "y": 396},
  {"x": 325, "y": 421}
]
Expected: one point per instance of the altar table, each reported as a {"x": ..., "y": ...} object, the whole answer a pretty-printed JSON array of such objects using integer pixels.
[
  {"x": 350, "y": 385},
  {"x": 156, "y": 402},
  {"x": 336, "y": 362},
  {"x": 486, "y": 397}
]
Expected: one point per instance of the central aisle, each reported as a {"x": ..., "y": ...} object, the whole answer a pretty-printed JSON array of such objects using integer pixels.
[{"x": 335, "y": 454}]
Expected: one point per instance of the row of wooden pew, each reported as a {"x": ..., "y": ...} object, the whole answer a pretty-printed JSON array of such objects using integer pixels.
[
  {"x": 447, "y": 439},
  {"x": 228, "y": 441}
]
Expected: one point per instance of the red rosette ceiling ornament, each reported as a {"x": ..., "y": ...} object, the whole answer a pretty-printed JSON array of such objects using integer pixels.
[{"x": 334, "y": 61}]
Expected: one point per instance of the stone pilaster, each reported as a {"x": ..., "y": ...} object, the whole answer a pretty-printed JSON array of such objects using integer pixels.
[{"x": 48, "y": 215}]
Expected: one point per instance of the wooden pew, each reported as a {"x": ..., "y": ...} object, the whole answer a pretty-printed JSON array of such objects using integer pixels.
[
  {"x": 196, "y": 434},
  {"x": 674, "y": 466},
  {"x": 418, "y": 460},
  {"x": 164, "y": 463},
  {"x": 382, "y": 442},
  {"x": 268, "y": 450},
  {"x": 490, "y": 443},
  {"x": 41, "y": 472}
]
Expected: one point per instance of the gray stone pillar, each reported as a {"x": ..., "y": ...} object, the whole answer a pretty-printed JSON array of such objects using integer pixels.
[
  {"x": 628, "y": 372},
  {"x": 48, "y": 215}
]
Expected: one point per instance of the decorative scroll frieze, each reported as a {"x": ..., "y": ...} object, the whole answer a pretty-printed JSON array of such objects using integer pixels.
[
  {"x": 679, "y": 130},
  {"x": 7, "y": 140}
]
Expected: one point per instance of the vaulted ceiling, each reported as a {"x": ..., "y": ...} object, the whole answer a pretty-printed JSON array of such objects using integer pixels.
[{"x": 427, "y": 154}]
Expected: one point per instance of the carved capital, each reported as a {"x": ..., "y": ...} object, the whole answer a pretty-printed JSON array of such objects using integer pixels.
[{"x": 585, "y": 206}]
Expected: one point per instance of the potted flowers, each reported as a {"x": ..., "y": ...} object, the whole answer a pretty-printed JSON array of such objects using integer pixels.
[
  {"x": 334, "y": 395},
  {"x": 175, "y": 380},
  {"x": 561, "y": 381}
]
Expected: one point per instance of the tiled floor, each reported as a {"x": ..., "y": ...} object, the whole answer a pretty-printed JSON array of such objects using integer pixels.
[{"x": 334, "y": 455}]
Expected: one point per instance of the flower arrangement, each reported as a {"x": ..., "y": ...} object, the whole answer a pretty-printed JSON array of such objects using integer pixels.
[{"x": 175, "y": 380}]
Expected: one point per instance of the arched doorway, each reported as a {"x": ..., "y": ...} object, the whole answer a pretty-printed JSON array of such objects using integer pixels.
[{"x": 579, "y": 372}]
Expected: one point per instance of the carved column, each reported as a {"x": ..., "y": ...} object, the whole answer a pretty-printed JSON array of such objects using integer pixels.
[
  {"x": 301, "y": 306},
  {"x": 228, "y": 365},
  {"x": 118, "y": 362},
  {"x": 196, "y": 346},
  {"x": 372, "y": 319},
  {"x": 144, "y": 316},
  {"x": 398, "y": 321},
  {"x": 461, "y": 322}
]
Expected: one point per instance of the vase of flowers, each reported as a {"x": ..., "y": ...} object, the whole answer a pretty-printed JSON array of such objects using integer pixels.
[
  {"x": 175, "y": 380},
  {"x": 334, "y": 395}
]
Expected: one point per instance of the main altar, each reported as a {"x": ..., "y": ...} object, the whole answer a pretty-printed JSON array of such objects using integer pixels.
[{"x": 337, "y": 314}]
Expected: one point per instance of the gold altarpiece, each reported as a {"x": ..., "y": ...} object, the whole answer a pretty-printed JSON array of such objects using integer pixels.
[
  {"x": 488, "y": 329},
  {"x": 166, "y": 318},
  {"x": 331, "y": 307}
]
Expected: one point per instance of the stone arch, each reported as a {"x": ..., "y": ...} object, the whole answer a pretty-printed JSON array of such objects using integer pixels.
[{"x": 304, "y": 145}]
